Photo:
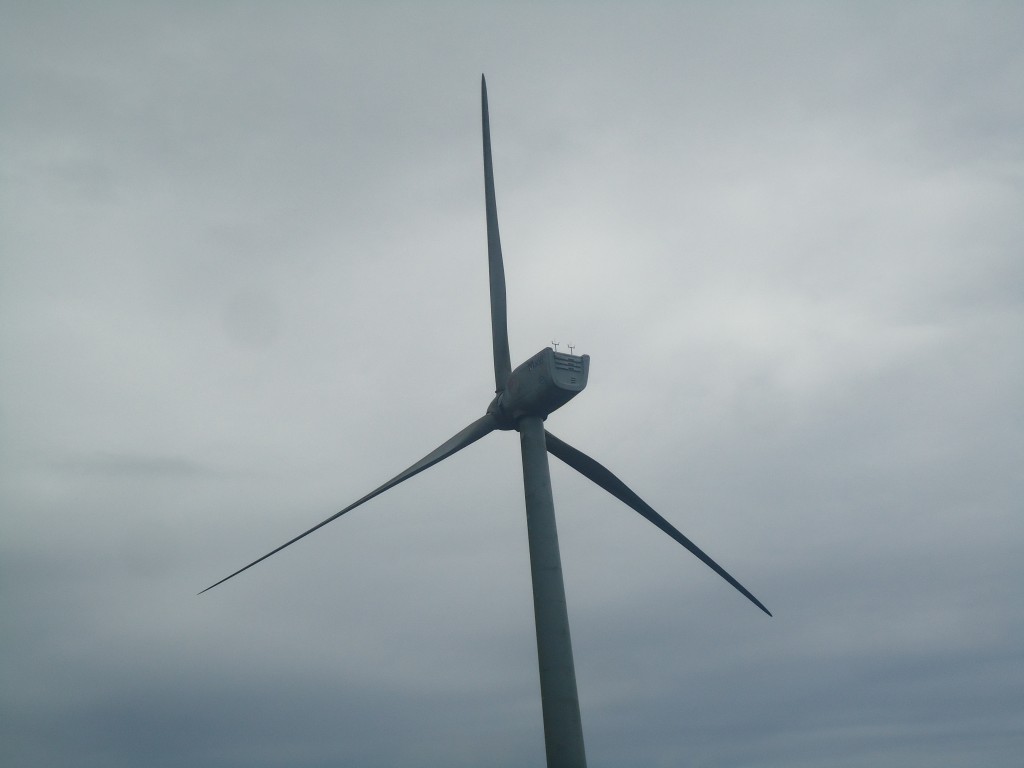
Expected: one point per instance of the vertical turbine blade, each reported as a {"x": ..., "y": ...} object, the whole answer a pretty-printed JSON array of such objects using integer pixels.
[
  {"x": 592, "y": 470},
  {"x": 482, "y": 426},
  {"x": 495, "y": 267}
]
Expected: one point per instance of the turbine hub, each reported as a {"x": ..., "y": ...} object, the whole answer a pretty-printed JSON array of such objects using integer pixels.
[{"x": 542, "y": 384}]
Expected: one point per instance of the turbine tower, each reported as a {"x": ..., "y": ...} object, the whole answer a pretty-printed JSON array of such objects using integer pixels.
[{"x": 523, "y": 399}]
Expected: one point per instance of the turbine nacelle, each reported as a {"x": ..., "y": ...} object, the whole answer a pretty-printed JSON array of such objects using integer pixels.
[{"x": 542, "y": 384}]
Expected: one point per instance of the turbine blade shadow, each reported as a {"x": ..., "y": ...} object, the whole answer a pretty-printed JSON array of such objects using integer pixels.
[
  {"x": 482, "y": 426},
  {"x": 592, "y": 470},
  {"x": 495, "y": 266}
]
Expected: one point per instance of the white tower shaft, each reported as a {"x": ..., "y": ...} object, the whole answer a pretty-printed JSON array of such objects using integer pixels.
[{"x": 563, "y": 728}]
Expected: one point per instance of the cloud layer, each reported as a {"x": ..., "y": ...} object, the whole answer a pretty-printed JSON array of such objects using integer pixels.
[{"x": 243, "y": 282}]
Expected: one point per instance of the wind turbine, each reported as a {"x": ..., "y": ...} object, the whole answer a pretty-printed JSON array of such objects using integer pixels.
[{"x": 523, "y": 399}]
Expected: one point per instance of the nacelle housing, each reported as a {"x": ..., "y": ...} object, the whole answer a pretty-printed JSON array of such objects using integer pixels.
[{"x": 542, "y": 384}]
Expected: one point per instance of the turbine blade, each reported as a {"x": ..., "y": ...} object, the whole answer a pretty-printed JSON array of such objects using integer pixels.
[
  {"x": 591, "y": 469},
  {"x": 495, "y": 267},
  {"x": 469, "y": 435}
]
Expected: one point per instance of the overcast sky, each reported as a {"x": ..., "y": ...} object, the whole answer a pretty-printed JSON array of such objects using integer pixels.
[{"x": 243, "y": 282}]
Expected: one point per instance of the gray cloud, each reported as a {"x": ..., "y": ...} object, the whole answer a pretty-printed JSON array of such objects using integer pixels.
[{"x": 242, "y": 283}]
